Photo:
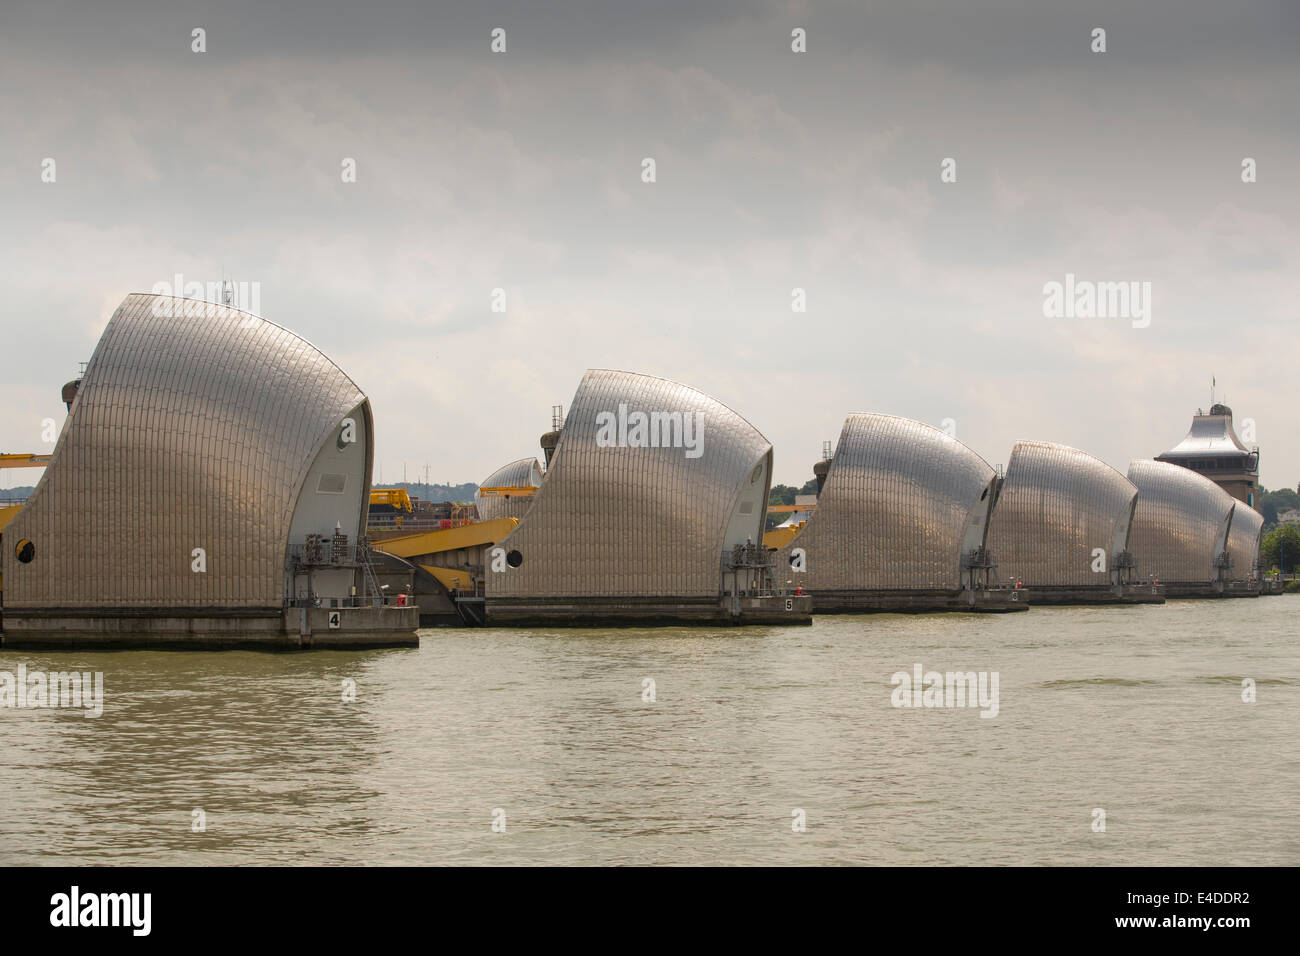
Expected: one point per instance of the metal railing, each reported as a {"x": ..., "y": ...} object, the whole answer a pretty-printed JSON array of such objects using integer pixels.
[
  {"x": 413, "y": 522},
  {"x": 393, "y": 600},
  {"x": 769, "y": 592},
  {"x": 756, "y": 566},
  {"x": 1221, "y": 469},
  {"x": 476, "y": 589},
  {"x": 323, "y": 554},
  {"x": 747, "y": 557},
  {"x": 326, "y": 554}
]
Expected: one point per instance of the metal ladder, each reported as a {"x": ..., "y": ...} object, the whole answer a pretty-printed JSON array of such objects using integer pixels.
[{"x": 363, "y": 557}]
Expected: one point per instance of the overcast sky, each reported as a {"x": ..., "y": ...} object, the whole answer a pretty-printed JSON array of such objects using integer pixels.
[{"x": 775, "y": 170}]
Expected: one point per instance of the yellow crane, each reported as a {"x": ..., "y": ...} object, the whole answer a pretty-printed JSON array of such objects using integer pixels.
[{"x": 395, "y": 497}]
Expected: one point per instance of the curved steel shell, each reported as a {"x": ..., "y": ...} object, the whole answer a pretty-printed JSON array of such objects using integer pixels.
[
  {"x": 898, "y": 501},
  {"x": 634, "y": 520},
  {"x": 1180, "y": 524},
  {"x": 1244, "y": 539},
  {"x": 1057, "y": 506},
  {"x": 194, "y": 427},
  {"x": 524, "y": 473}
]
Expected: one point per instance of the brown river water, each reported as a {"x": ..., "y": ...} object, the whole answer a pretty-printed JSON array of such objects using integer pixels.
[{"x": 541, "y": 746}]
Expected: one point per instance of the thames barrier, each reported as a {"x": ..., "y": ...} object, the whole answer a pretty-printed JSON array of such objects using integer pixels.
[{"x": 212, "y": 487}]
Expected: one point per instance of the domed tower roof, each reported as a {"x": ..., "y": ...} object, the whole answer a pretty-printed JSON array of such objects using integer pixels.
[{"x": 1211, "y": 435}]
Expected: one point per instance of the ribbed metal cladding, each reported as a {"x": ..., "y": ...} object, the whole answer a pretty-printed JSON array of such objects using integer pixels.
[
  {"x": 634, "y": 522},
  {"x": 1056, "y": 506},
  {"x": 1180, "y": 524},
  {"x": 524, "y": 473},
  {"x": 1244, "y": 539},
  {"x": 187, "y": 432},
  {"x": 895, "y": 508}
]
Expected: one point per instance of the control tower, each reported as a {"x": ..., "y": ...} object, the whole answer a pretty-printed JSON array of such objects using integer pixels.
[{"x": 1212, "y": 448}]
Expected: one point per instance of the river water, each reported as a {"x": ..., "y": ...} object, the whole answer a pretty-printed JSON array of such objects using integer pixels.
[{"x": 549, "y": 735}]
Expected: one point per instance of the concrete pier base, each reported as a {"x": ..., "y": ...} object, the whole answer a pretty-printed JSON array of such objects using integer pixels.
[
  {"x": 774, "y": 609},
  {"x": 213, "y": 628},
  {"x": 1113, "y": 594},
  {"x": 648, "y": 612},
  {"x": 1198, "y": 589},
  {"x": 1237, "y": 589},
  {"x": 991, "y": 601},
  {"x": 353, "y": 627},
  {"x": 1241, "y": 589}
]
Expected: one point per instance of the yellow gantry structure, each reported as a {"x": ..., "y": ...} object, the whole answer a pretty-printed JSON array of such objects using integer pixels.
[
  {"x": 447, "y": 539},
  {"x": 8, "y": 513},
  {"x": 24, "y": 461},
  {"x": 780, "y": 537},
  {"x": 521, "y": 491},
  {"x": 429, "y": 543},
  {"x": 450, "y": 578}
]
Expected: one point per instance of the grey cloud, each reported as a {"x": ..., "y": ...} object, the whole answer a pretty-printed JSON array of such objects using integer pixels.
[{"x": 775, "y": 170}]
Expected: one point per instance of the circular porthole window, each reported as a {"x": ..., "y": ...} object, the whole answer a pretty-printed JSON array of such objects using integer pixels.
[
  {"x": 514, "y": 559},
  {"x": 25, "y": 551}
]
